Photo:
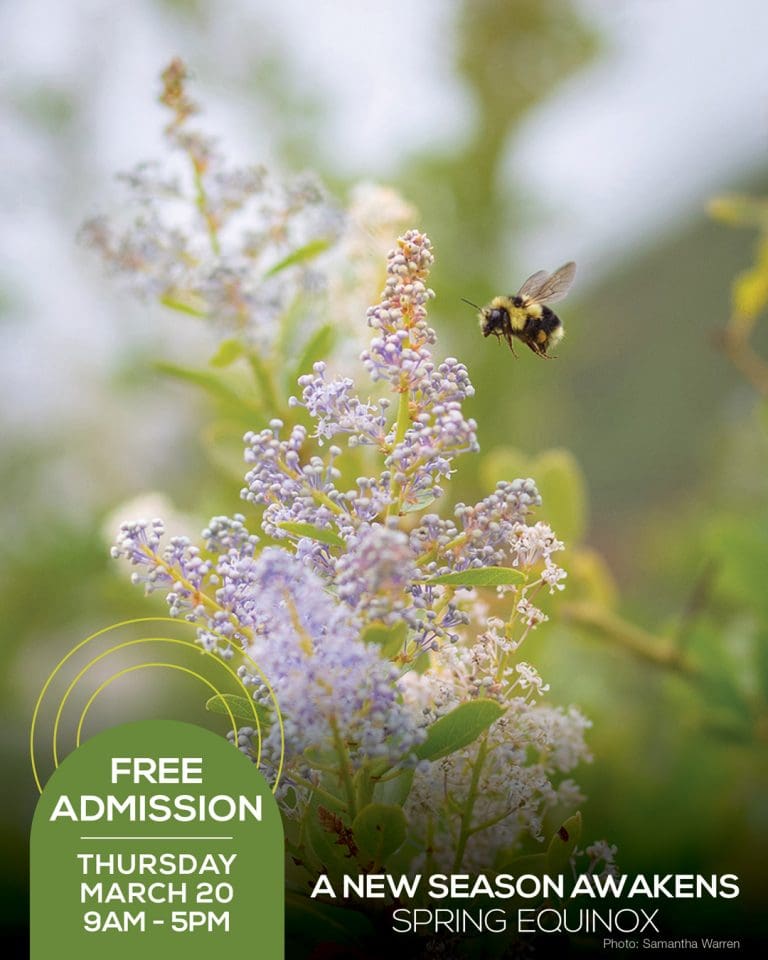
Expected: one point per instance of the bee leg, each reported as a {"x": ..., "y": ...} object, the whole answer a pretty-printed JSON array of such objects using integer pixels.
[
  {"x": 540, "y": 351},
  {"x": 508, "y": 338}
]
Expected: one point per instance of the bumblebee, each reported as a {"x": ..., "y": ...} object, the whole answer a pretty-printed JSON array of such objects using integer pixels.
[{"x": 526, "y": 315}]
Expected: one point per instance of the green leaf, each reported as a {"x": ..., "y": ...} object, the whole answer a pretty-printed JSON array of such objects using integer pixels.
[
  {"x": 222, "y": 442},
  {"x": 761, "y": 661},
  {"x": 209, "y": 382},
  {"x": 750, "y": 291},
  {"x": 559, "y": 480},
  {"x": 229, "y": 351},
  {"x": 590, "y": 579},
  {"x": 390, "y": 639},
  {"x": 291, "y": 325},
  {"x": 321, "y": 534},
  {"x": 563, "y": 490},
  {"x": 562, "y": 845},
  {"x": 324, "y": 842},
  {"x": 300, "y": 255},
  {"x": 316, "y": 348},
  {"x": 184, "y": 306},
  {"x": 395, "y": 790},
  {"x": 420, "y": 503},
  {"x": 379, "y": 830},
  {"x": 458, "y": 728},
  {"x": 422, "y": 663},
  {"x": 727, "y": 730},
  {"x": 241, "y": 708},
  {"x": 480, "y": 577},
  {"x": 505, "y": 463},
  {"x": 738, "y": 210},
  {"x": 313, "y": 922}
]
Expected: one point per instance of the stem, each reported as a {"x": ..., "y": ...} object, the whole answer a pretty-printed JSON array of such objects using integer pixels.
[
  {"x": 735, "y": 343},
  {"x": 328, "y": 797},
  {"x": 529, "y": 591},
  {"x": 345, "y": 774},
  {"x": 429, "y": 844},
  {"x": 319, "y": 495},
  {"x": 202, "y": 205},
  {"x": 392, "y": 775},
  {"x": 401, "y": 426},
  {"x": 316, "y": 765},
  {"x": 325, "y": 499},
  {"x": 457, "y": 541},
  {"x": 465, "y": 829},
  {"x": 637, "y": 641},
  {"x": 492, "y": 822},
  {"x": 695, "y": 604},
  {"x": 365, "y": 787},
  {"x": 305, "y": 640},
  {"x": 443, "y": 602},
  {"x": 197, "y": 595}
]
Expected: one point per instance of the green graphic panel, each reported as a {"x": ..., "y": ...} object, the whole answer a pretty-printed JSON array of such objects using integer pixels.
[{"x": 155, "y": 839}]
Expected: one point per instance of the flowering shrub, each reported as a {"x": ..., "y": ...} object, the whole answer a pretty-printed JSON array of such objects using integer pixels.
[
  {"x": 366, "y": 617},
  {"x": 390, "y": 633}
]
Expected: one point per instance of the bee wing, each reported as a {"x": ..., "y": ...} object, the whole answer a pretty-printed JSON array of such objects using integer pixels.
[
  {"x": 531, "y": 286},
  {"x": 555, "y": 287}
]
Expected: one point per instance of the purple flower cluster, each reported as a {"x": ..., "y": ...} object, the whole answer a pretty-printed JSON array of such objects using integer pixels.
[
  {"x": 165, "y": 253},
  {"x": 178, "y": 566},
  {"x": 438, "y": 433},
  {"x": 382, "y": 573},
  {"x": 482, "y": 535},
  {"x": 375, "y": 572},
  {"x": 213, "y": 591},
  {"x": 337, "y": 409},
  {"x": 293, "y": 491},
  {"x": 352, "y": 557},
  {"x": 229, "y": 533},
  {"x": 400, "y": 351},
  {"x": 210, "y": 239},
  {"x": 330, "y": 684}
]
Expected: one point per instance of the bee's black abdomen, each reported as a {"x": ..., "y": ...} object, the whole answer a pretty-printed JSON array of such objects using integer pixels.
[{"x": 548, "y": 321}]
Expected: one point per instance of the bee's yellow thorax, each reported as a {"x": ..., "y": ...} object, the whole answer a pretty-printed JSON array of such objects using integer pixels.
[{"x": 517, "y": 317}]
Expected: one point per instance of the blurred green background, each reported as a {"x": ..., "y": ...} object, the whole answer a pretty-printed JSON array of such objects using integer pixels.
[{"x": 527, "y": 133}]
